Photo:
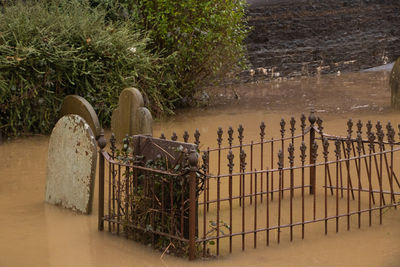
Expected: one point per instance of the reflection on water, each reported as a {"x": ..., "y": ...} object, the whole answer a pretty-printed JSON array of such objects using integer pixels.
[{"x": 36, "y": 234}]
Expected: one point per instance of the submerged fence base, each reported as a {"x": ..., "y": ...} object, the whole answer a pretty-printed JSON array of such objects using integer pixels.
[{"x": 246, "y": 194}]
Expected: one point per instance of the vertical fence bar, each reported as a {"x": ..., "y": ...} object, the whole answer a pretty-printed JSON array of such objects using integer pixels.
[
  {"x": 171, "y": 203},
  {"x": 314, "y": 155},
  {"x": 303, "y": 159},
  {"x": 338, "y": 154},
  {"x": 348, "y": 151},
  {"x": 230, "y": 166},
  {"x": 371, "y": 150},
  {"x": 359, "y": 147},
  {"x": 280, "y": 167},
  {"x": 255, "y": 213},
  {"x": 320, "y": 129},
  {"x": 219, "y": 140},
  {"x": 243, "y": 168},
  {"x": 312, "y": 120},
  {"x": 326, "y": 152},
  {"x": 262, "y": 134},
  {"x": 251, "y": 174},
  {"x": 111, "y": 178},
  {"x": 193, "y": 162},
  {"x": 381, "y": 135},
  {"x": 208, "y": 180},
  {"x": 118, "y": 199},
  {"x": 205, "y": 170},
  {"x": 292, "y": 131},
  {"x": 283, "y": 130},
  {"x": 390, "y": 137},
  {"x": 347, "y": 166},
  {"x": 240, "y": 131},
  {"x": 153, "y": 210},
  {"x": 126, "y": 198},
  {"x": 291, "y": 162},
  {"x": 267, "y": 209},
  {"x": 102, "y": 144},
  {"x": 272, "y": 166}
]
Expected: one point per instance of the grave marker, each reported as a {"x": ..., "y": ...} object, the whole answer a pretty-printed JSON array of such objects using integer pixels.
[
  {"x": 71, "y": 166},
  {"x": 131, "y": 117}
]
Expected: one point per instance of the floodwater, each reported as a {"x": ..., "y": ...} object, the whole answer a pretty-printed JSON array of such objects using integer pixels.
[{"x": 33, "y": 233}]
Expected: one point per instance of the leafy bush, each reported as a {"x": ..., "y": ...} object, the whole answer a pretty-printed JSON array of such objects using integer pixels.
[
  {"x": 49, "y": 49},
  {"x": 205, "y": 36}
]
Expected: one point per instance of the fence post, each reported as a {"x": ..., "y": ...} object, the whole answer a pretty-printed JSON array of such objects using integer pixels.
[
  {"x": 193, "y": 161},
  {"x": 312, "y": 120},
  {"x": 102, "y": 144}
]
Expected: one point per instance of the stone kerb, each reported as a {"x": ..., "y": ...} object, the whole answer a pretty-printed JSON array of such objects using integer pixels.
[
  {"x": 131, "y": 117},
  {"x": 71, "y": 166},
  {"x": 395, "y": 85}
]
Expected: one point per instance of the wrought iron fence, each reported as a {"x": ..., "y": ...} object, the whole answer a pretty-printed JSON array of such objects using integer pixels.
[{"x": 270, "y": 189}]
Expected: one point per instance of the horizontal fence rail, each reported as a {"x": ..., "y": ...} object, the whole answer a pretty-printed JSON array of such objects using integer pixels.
[{"x": 246, "y": 194}]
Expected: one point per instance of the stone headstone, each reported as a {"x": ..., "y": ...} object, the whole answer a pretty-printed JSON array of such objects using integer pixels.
[
  {"x": 71, "y": 165},
  {"x": 131, "y": 117},
  {"x": 395, "y": 85},
  {"x": 74, "y": 104}
]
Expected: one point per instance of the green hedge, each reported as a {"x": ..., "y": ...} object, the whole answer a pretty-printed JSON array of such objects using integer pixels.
[
  {"x": 49, "y": 50},
  {"x": 205, "y": 36},
  {"x": 168, "y": 49}
]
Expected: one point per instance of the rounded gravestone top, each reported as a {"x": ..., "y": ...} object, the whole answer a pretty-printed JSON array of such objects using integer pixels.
[
  {"x": 74, "y": 104},
  {"x": 71, "y": 165}
]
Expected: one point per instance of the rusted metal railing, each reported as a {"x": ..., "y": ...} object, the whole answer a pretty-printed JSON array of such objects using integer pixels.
[{"x": 250, "y": 192}]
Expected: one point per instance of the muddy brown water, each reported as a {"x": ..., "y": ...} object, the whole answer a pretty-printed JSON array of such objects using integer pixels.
[{"x": 33, "y": 233}]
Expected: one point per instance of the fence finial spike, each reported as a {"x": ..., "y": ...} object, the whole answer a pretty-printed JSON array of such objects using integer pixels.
[
  {"x": 262, "y": 130},
  {"x": 185, "y": 136},
  {"x": 101, "y": 141},
  {"x": 230, "y": 135},
  {"x": 283, "y": 123},
  {"x": 219, "y": 133},
  {"x": 311, "y": 118},
  {"x": 338, "y": 148},
  {"x": 350, "y": 126},
  {"x": 193, "y": 159},
  {"x": 292, "y": 125},
  {"x": 240, "y": 131},
  {"x": 303, "y": 122},
  {"x": 197, "y": 137},
  {"x": 359, "y": 127},
  {"x": 174, "y": 137}
]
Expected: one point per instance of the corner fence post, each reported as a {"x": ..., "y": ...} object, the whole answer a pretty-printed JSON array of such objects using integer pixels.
[
  {"x": 102, "y": 144},
  {"x": 312, "y": 120},
  {"x": 193, "y": 161}
]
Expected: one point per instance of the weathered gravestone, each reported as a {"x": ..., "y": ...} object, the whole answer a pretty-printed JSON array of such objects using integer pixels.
[
  {"x": 395, "y": 84},
  {"x": 74, "y": 104},
  {"x": 71, "y": 166},
  {"x": 131, "y": 117}
]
